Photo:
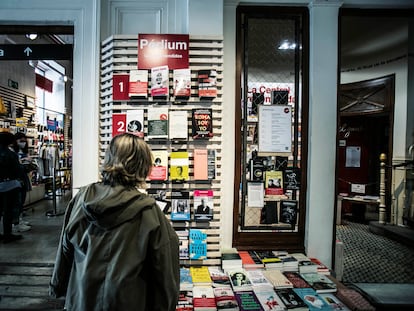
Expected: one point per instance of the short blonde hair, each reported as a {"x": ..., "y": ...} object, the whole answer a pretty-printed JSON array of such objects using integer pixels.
[{"x": 128, "y": 161}]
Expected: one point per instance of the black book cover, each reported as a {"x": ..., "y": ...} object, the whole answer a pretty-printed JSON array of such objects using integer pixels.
[
  {"x": 269, "y": 213},
  {"x": 202, "y": 123},
  {"x": 257, "y": 169},
  {"x": 291, "y": 178},
  {"x": 288, "y": 211}
]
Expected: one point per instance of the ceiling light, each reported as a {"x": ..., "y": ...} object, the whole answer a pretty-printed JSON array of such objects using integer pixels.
[
  {"x": 286, "y": 45},
  {"x": 32, "y": 36}
]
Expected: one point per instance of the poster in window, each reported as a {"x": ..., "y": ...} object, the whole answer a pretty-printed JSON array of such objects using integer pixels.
[{"x": 275, "y": 129}]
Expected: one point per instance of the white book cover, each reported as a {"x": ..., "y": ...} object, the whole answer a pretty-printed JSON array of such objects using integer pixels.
[
  {"x": 203, "y": 205},
  {"x": 269, "y": 300},
  {"x": 157, "y": 123},
  {"x": 159, "y": 170},
  {"x": 135, "y": 122},
  {"x": 159, "y": 81},
  {"x": 178, "y": 124},
  {"x": 182, "y": 82},
  {"x": 138, "y": 83}
]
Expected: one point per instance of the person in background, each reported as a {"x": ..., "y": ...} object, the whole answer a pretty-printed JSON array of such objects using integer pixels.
[
  {"x": 117, "y": 249},
  {"x": 21, "y": 147},
  {"x": 9, "y": 185}
]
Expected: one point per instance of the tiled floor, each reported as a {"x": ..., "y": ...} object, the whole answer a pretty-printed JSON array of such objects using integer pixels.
[
  {"x": 372, "y": 258},
  {"x": 26, "y": 265}
]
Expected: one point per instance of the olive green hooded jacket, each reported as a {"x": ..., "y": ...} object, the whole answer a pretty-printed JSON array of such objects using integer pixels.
[{"x": 117, "y": 251}]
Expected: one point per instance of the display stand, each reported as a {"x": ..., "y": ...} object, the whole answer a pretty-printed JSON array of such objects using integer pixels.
[{"x": 119, "y": 56}]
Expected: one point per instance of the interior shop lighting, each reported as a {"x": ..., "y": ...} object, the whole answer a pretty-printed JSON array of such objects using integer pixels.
[
  {"x": 286, "y": 45},
  {"x": 32, "y": 36}
]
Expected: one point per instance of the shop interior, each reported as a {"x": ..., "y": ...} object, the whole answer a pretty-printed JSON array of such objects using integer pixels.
[{"x": 37, "y": 93}]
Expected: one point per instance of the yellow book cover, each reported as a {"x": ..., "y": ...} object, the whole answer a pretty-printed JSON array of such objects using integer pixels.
[
  {"x": 179, "y": 165},
  {"x": 274, "y": 182},
  {"x": 200, "y": 275}
]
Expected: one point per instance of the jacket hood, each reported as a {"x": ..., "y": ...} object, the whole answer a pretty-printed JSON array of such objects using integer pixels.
[{"x": 108, "y": 207}]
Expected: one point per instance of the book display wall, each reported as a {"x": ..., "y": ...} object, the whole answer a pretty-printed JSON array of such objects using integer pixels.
[{"x": 178, "y": 112}]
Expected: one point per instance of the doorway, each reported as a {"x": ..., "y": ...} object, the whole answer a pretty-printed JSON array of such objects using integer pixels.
[{"x": 36, "y": 87}]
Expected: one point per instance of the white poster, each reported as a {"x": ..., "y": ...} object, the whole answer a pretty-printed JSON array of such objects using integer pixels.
[
  {"x": 255, "y": 194},
  {"x": 275, "y": 129},
  {"x": 353, "y": 157}
]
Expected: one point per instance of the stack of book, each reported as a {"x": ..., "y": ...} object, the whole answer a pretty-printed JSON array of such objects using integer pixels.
[
  {"x": 291, "y": 299},
  {"x": 312, "y": 299},
  {"x": 185, "y": 301},
  {"x": 186, "y": 280},
  {"x": 225, "y": 299},
  {"x": 231, "y": 260},
  {"x": 248, "y": 301},
  {"x": 239, "y": 280},
  {"x": 269, "y": 300},
  {"x": 258, "y": 280},
  {"x": 278, "y": 279},
  {"x": 319, "y": 282},
  {"x": 290, "y": 263},
  {"x": 219, "y": 277},
  {"x": 296, "y": 280},
  {"x": 321, "y": 268},
  {"x": 203, "y": 298},
  {"x": 270, "y": 260}
]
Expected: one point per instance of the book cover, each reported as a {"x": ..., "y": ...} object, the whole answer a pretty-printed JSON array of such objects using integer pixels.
[
  {"x": 200, "y": 275},
  {"x": 182, "y": 83},
  {"x": 178, "y": 124},
  {"x": 203, "y": 205},
  {"x": 211, "y": 163},
  {"x": 202, "y": 123},
  {"x": 296, "y": 280},
  {"x": 312, "y": 299},
  {"x": 258, "y": 280},
  {"x": 277, "y": 278},
  {"x": 200, "y": 161},
  {"x": 135, "y": 122},
  {"x": 291, "y": 299},
  {"x": 268, "y": 257},
  {"x": 207, "y": 83},
  {"x": 225, "y": 299},
  {"x": 185, "y": 301},
  {"x": 319, "y": 282},
  {"x": 180, "y": 205},
  {"x": 257, "y": 169},
  {"x": 269, "y": 300},
  {"x": 239, "y": 280},
  {"x": 288, "y": 212},
  {"x": 159, "y": 82},
  {"x": 268, "y": 213},
  {"x": 219, "y": 277},
  {"x": 247, "y": 260},
  {"x": 248, "y": 301},
  {"x": 321, "y": 267},
  {"x": 179, "y": 165},
  {"x": 160, "y": 197},
  {"x": 334, "y": 302},
  {"x": 291, "y": 178},
  {"x": 157, "y": 123},
  {"x": 274, "y": 183},
  {"x": 159, "y": 170},
  {"x": 186, "y": 280},
  {"x": 198, "y": 244},
  {"x": 203, "y": 298},
  {"x": 138, "y": 83},
  {"x": 231, "y": 260},
  {"x": 183, "y": 240}
]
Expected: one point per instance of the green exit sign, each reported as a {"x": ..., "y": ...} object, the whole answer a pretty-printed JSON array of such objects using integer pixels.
[{"x": 13, "y": 84}]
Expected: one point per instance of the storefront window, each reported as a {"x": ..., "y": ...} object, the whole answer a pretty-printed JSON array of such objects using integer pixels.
[{"x": 271, "y": 127}]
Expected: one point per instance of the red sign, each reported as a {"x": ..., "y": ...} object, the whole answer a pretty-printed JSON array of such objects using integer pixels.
[
  {"x": 156, "y": 50},
  {"x": 118, "y": 124},
  {"x": 44, "y": 83},
  {"x": 120, "y": 87}
]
